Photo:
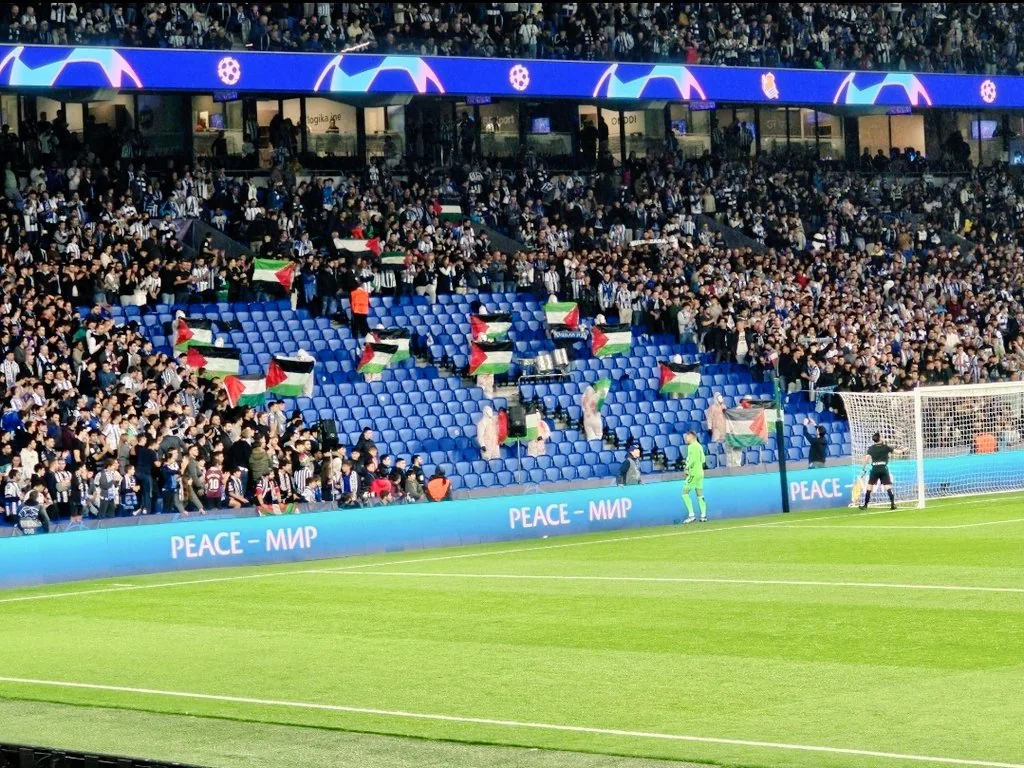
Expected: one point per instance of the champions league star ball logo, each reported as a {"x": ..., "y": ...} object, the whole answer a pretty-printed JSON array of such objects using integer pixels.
[
  {"x": 519, "y": 77},
  {"x": 114, "y": 66},
  {"x": 339, "y": 81},
  {"x": 229, "y": 71},
  {"x": 988, "y": 91}
]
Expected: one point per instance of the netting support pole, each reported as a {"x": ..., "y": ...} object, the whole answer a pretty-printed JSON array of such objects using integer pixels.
[
  {"x": 780, "y": 444},
  {"x": 919, "y": 446}
]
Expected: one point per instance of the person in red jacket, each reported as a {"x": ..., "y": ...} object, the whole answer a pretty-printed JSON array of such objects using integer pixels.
[{"x": 381, "y": 487}]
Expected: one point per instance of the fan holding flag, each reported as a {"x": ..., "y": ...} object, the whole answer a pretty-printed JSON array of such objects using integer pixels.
[
  {"x": 593, "y": 424},
  {"x": 375, "y": 359},
  {"x": 487, "y": 434},
  {"x": 273, "y": 276},
  {"x": 488, "y": 359}
]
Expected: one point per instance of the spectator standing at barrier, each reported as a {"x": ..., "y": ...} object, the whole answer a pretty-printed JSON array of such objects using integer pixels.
[
  {"x": 439, "y": 487},
  {"x": 816, "y": 437},
  {"x": 170, "y": 472},
  {"x": 145, "y": 459},
  {"x": 109, "y": 482},
  {"x": 12, "y": 496},
  {"x": 629, "y": 470},
  {"x": 129, "y": 492},
  {"x": 414, "y": 487},
  {"x": 32, "y": 517}
]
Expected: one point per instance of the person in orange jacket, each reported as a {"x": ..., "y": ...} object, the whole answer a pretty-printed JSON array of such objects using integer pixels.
[
  {"x": 359, "y": 298},
  {"x": 439, "y": 487}
]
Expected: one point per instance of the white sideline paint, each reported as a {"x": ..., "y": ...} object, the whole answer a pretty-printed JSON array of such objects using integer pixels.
[
  {"x": 687, "y": 580},
  {"x": 136, "y": 587},
  {"x": 513, "y": 723},
  {"x": 688, "y": 531},
  {"x": 898, "y": 527}
]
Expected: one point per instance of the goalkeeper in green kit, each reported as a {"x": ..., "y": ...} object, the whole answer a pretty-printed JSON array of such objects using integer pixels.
[{"x": 694, "y": 478}]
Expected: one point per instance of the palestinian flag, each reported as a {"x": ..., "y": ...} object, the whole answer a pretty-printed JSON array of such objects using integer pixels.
[
  {"x": 563, "y": 313},
  {"x": 397, "y": 336},
  {"x": 746, "y": 427},
  {"x": 275, "y": 272},
  {"x": 265, "y": 510},
  {"x": 363, "y": 248},
  {"x": 532, "y": 426},
  {"x": 678, "y": 379},
  {"x": 246, "y": 390},
  {"x": 376, "y": 357},
  {"x": 214, "y": 362},
  {"x": 393, "y": 259},
  {"x": 492, "y": 326},
  {"x": 290, "y": 377},
  {"x": 611, "y": 340},
  {"x": 492, "y": 357},
  {"x": 602, "y": 387},
  {"x": 193, "y": 330},
  {"x": 448, "y": 212}
]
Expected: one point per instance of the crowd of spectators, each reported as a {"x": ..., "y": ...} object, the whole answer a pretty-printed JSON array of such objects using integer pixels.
[
  {"x": 848, "y": 280},
  {"x": 939, "y": 37}
]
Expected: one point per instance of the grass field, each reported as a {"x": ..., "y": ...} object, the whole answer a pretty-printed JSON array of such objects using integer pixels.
[{"x": 817, "y": 640}]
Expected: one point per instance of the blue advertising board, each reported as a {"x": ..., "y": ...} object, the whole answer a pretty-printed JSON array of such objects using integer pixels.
[
  {"x": 354, "y": 74},
  {"x": 198, "y": 543},
  {"x": 210, "y": 543}
]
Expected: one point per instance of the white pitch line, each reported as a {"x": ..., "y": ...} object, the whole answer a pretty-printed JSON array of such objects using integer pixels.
[
  {"x": 688, "y": 580},
  {"x": 842, "y": 526},
  {"x": 402, "y": 714},
  {"x": 991, "y": 522},
  {"x": 690, "y": 530},
  {"x": 159, "y": 585},
  {"x": 687, "y": 531},
  {"x": 275, "y": 574}
]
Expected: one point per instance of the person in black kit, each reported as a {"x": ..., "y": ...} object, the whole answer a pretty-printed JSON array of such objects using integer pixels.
[{"x": 878, "y": 459}]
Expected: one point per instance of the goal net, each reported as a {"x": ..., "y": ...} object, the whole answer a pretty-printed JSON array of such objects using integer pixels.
[{"x": 956, "y": 440}]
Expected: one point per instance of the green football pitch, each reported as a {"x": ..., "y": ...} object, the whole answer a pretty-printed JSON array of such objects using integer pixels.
[{"x": 822, "y": 639}]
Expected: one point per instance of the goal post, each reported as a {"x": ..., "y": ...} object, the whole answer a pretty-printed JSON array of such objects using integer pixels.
[{"x": 953, "y": 441}]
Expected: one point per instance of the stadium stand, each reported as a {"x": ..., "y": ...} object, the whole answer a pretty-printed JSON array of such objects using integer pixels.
[
  {"x": 925, "y": 37},
  {"x": 872, "y": 276}
]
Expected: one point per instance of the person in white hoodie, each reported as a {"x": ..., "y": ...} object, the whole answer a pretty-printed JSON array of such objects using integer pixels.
[
  {"x": 487, "y": 434},
  {"x": 593, "y": 424},
  {"x": 715, "y": 416}
]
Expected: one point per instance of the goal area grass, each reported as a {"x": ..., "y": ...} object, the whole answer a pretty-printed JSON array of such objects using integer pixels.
[{"x": 840, "y": 639}]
